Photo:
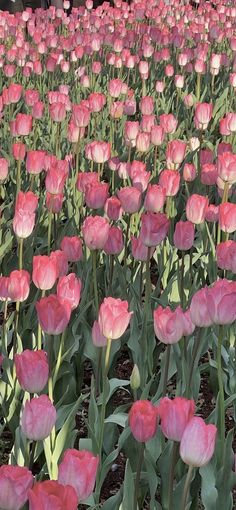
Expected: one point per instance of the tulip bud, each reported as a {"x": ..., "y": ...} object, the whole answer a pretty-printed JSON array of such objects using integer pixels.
[{"x": 135, "y": 378}]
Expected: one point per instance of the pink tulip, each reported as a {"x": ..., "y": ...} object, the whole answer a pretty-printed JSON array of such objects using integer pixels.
[
  {"x": 79, "y": 469},
  {"x": 221, "y": 301},
  {"x": 175, "y": 153},
  {"x": 155, "y": 198},
  {"x": 96, "y": 195},
  {"x": 113, "y": 318},
  {"x": 199, "y": 312},
  {"x": 184, "y": 235},
  {"x": 99, "y": 340},
  {"x": 154, "y": 228},
  {"x": 196, "y": 208},
  {"x": 100, "y": 152},
  {"x": 44, "y": 272},
  {"x": 203, "y": 115},
  {"x": 95, "y": 230},
  {"x": 54, "y": 202},
  {"x": 198, "y": 442},
  {"x": 53, "y": 314},
  {"x": 3, "y": 169},
  {"x": 114, "y": 244},
  {"x": 143, "y": 420},
  {"x": 85, "y": 179},
  {"x": 69, "y": 289},
  {"x": 38, "y": 418},
  {"x": 226, "y": 167},
  {"x": 189, "y": 172},
  {"x": 72, "y": 247},
  {"x": 18, "y": 151},
  {"x": 19, "y": 285},
  {"x": 15, "y": 482},
  {"x": 169, "y": 180},
  {"x": 113, "y": 208},
  {"x": 26, "y": 202},
  {"x": 35, "y": 162},
  {"x": 61, "y": 261},
  {"x": 23, "y": 124},
  {"x": 168, "y": 122},
  {"x": 147, "y": 105},
  {"x": 4, "y": 282},
  {"x": 32, "y": 370},
  {"x": 130, "y": 199},
  {"x": 168, "y": 324},
  {"x": 14, "y": 92},
  {"x": 53, "y": 495},
  {"x": 208, "y": 174},
  {"x": 143, "y": 142},
  {"x": 175, "y": 415},
  {"x": 227, "y": 217},
  {"x": 226, "y": 254}
]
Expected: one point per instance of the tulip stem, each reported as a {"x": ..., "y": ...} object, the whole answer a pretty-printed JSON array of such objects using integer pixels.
[
  {"x": 5, "y": 326},
  {"x": 18, "y": 176},
  {"x": 186, "y": 487},
  {"x": 31, "y": 459},
  {"x": 20, "y": 253},
  {"x": 155, "y": 162},
  {"x": 166, "y": 370},
  {"x": 59, "y": 356},
  {"x": 182, "y": 296},
  {"x": 198, "y": 86},
  {"x": 95, "y": 282},
  {"x": 16, "y": 328},
  {"x": 174, "y": 457},
  {"x": 49, "y": 229},
  {"x": 193, "y": 360},
  {"x": 104, "y": 395},
  {"x": 221, "y": 392},
  {"x": 126, "y": 242},
  {"x": 138, "y": 474},
  {"x": 224, "y": 199}
]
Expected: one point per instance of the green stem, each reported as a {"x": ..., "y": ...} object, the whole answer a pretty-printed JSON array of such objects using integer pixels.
[
  {"x": 221, "y": 391},
  {"x": 18, "y": 176},
  {"x": 198, "y": 86},
  {"x": 39, "y": 343},
  {"x": 186, "y": 488},
  {"x": 196, "y": 347},
  {"x": 126, "y": 242},
  {"x": 104, "y": 394},
  {"x": 95, "y": 283},
  {"x": 224, "y": 199},
  {"x": 138, "y": 474},
  {"x": 49, "y": 230},
  {"x": 16, "y": 328},
  {"x": 4, "y": 326},
  {"x": 59, "y": 356},
  {"x": 174, "y": 457},
  {"x": 111, "y": 271},
  {"x": 182, "y": 296},
  {"x": 21, "y": 253},
  {"x": 166, "y": 370},
  {"x": 141, "y": 281},
  {"x": 155, "y": 162}
]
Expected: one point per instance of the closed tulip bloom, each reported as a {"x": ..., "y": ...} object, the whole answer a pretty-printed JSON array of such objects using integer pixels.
[
  {"x": 203, "y": 115},
  {"x": 32, "y": 370},
  {"x": 38, "y": 418},
  {"x": 212, "y": 213},
  {"x": 227, "y": 217},
  {"x": 221, "y": 301},
  {"x": 147, "y": 122},
  {"x": 61, "y": 261},
  {"x": 35, "y": 162},
  {"x": 15, "y": 482},
  {"x": 4, "y": 282},
  {"x": 154, "y": 228},
  {"x": 18, "y": 151},
  {"x": 143, "y": 420},
  {"x": 56, "y": 178},
  {"x": 114, "y": 317},
  {"x": 96, "y": 101},
  {"x": 96, "y": 195},
  {"x": 23, "y": 224},
  {"x": 100, "y": 152},
  {"x": 188, "y": 325},
  {"x": 54, "y": 202},
  {"x": 79, "y": 469},
  {"x": 224, "y": 147},
  {"x": 196, "y": 208},
  {"x": 52, "y": 495},
  {"x": 23, "y": 124},
  {"x": 85, "y": 179},
  {"x": 53, "y": 314},
  {"x": 175, "y": 415},
  {"x": 113, "y": 208},
  {"x": 3, "y": 169},
  {"x": 168, "y": 122},
  {"x": 199, "y": 312},
  {"x": 38, "y": 110},
  {"x": 184, "y": 235},
  {"x": 139, "y": 250},
  {"x": 146, "y": 105},
  {"x": 143, "y": 142},
  {"x": 69, "y": 289},
  {"x": 155, "y": 198},
  {"x": 57, "y": 111},
  {"x": 175, "y": 153},
  {"x": 27, "y": 202},
  {"x": 208, "y": 174},
  {"x": 225, "y": 252},
  {"x": 115, "y": 87},
  {"x": 189, "y": 172},
  {"x": 14, "y": 92},
  {"x": 72, "y": 247},
  {"x": 95, "y": 230},
  {"x": 130, "y": 199},
  {"x": 114, "y": 244},
  {"x": 169, "y": 180},
  {"x": 157, "y": 135},
  {"x": 168, "y": 324},
  {"x": 226, "y": 167},
  {"x": 99, "y": 340},
  {"x": 19, "y": 285},
  {"x": 131, "y": 130},
  {"x": 44, "y": 272},
  {"x": 31, "y": 96},
  {"x": 80, "y": 115},
  {"x": 198, "y": 442}
]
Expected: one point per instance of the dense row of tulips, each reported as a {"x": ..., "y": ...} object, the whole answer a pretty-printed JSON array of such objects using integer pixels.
[{"x": 117, "y": 229}]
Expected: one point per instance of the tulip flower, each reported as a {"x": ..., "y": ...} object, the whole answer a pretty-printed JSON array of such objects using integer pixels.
[
  {"x": 143, "y": 420},
  {"x": 53, "y": 314},
  {"x": 15, "y": 482},
  {"x": 79, "y": 469},
  {"x": 175, "y": 415},
  {"x": 32, "y": 370},
  {"x": 52, "y": 494},
  {"x": 38, "y": 418}
]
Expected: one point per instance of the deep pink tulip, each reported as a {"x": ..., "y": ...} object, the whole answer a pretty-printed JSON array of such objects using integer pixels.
[
  {"x": 226, "y": 167},
  {"x": 19, "y": 285},
  {"x": 44, "y": 272},
  {"x": 32, "y": 370},
  {"x": 169, "y": 180},
  {"x": 56, "y": 177},
  {"x": 198, "y": 442},
  {"x": 27, "y": 202},
  {"x": 184, "y": 235},
  {"x": 154, "y": 228},
  {"x": 35, "y": 162},
  {"x": 61, "y": 261},
  {"x": 72, "y": 247},
  {"x": 130, "y": 199},
  {"x": 139, "y": 250},
  {"x": 143, "y": 420},
  {"x": 209, "y": 174},
  {"x": 226, "y": 255},
  {"x": 79, "y": 469},
  {"x": 19, "y": 151},
  {"x": 113, "y": 208},
  {"x": 15, "y": 482},
  {"x": 54, "y": 202},
  {"x": 23, "y": 124},
  {"x": 168, "y": 324},
  {"x": 199, "y": 312},
  {"x": 85, "y": 179},
  {"x": 227, "y": 217},
  {"x": 4, "y": 282},
  {"x": 53, "y": 495},
  {"x": 155, "y": 198},
  {"x": 113, "y": 317},
  {"x": 53, "y": 314},
  {"x": 114, "y": 244},
  {"x": 221, "y": 301},
  {"x": 175, "y": 415},
  {"x": 96, "y": 195}
]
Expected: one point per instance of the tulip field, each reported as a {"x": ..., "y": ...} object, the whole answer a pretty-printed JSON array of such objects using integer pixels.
[{"x": 118, "y": 257}]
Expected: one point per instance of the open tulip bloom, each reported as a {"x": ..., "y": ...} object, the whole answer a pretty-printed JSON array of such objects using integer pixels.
[{"x": 117, "y": 254}]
